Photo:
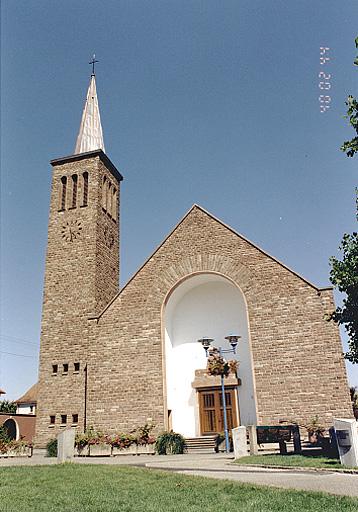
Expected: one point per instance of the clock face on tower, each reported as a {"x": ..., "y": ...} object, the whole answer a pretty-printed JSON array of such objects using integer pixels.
[{"x": 71, "y": 230}]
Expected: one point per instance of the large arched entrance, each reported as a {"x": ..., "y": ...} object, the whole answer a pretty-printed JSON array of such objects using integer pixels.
[{"x": 205, "y": 304}]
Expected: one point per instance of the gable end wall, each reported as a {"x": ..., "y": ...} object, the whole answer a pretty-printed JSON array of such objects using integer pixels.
[{"x": 299, "y": 370}]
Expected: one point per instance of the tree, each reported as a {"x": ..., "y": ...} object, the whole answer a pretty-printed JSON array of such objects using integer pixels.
[
  {"x": 344, "y": 274},
  {"x": 350, "y": 147},
  {"x": 9, "y": 407}
]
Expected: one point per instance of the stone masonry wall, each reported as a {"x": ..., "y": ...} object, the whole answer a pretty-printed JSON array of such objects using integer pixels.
[
  {"x": 82, "y": 275},
  {"x": 299, "y": 370}
]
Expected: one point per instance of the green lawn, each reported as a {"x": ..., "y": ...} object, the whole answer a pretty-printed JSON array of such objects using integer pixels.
[
  {"x": 81, "y": 488},
  {"x": 305, "y": 461}
]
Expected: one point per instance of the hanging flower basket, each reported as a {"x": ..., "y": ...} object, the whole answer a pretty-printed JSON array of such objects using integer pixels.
[{"x": 217, "y": 365}]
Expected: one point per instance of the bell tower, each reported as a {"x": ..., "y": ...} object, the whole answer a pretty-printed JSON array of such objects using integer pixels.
[{"x": 82, "y": 271}]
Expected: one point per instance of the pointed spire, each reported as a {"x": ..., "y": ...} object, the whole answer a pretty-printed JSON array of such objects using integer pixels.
[{"x": 90, "y": 136}]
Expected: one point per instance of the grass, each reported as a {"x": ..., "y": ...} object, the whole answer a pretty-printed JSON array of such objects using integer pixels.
[
  {"x": 304, "y": 461},
  {"x": 91, "y": 488}
]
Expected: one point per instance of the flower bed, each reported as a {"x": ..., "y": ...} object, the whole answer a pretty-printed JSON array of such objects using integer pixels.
[
  {"x": 97, "y": 444},
  {"x": 15, "y": 449}
]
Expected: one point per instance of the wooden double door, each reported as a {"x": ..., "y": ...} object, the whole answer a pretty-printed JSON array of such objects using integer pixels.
[{"x": 212, "y": 413}]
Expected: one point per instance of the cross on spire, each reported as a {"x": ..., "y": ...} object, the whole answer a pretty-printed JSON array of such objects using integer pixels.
[{"x": 93, "y": 62}]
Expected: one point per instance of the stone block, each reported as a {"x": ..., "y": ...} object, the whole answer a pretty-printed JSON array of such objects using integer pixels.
[
  {"x": 347, "y": 440},
  {"x": 240, "y": 442},
  {"x": 66, "y": 445},
  {"x": 254, "y": 449}
]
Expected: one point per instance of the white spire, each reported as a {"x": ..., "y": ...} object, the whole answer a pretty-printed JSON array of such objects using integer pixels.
[{"x": 90, "y": 136}]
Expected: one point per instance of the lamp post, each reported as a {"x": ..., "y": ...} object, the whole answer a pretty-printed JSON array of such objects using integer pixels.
[{"x": 233, "y": 339}]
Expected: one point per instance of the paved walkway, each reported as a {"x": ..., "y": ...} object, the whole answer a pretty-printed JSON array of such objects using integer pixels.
[{"x": 221, "y": 467}]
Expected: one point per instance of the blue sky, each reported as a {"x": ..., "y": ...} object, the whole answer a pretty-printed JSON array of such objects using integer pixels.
[{"x": 205, "y": 102}]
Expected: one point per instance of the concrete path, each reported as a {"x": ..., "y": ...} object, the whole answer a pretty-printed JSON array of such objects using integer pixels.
[{"x": 222, "y": 467}]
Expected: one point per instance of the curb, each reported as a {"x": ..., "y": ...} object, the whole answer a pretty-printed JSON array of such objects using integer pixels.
[{"x": 299, "y": 469}]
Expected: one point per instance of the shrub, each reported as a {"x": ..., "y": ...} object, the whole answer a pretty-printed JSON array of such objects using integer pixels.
[
  {"x": 170, "y": 443},
  {"x": 4, "y": 435},
  {"x": 51, "y": 448},
  {"x": 9, "y": 407},
  {"x": 81, "y": 441},
  {"x": 143, "y": 435}
]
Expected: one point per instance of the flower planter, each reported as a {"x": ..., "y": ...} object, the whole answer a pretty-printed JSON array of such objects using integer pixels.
[
  {"x": 83, "y": 452},
  {"x": 25, "y": 451},
  {"x": 131, "y": 450},
  {"x": 146, "y": 449},
  {"x": 141, "y": 449},
  {"x": 99, "y": 450}
]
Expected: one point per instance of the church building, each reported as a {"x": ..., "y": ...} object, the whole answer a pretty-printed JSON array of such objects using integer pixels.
[{"x": 114, "y": 358}]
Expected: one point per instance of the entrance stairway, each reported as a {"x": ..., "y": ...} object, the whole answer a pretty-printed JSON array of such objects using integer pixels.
[{"x": 204, "y": 444}]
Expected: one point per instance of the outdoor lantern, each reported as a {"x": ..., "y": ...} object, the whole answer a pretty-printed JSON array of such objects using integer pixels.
[
  {"x": 206, "y": 342},
  {"x": 233, "y": 339}
]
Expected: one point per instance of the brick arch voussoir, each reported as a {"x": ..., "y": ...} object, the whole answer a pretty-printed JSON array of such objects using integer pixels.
[{"x": 241, "y": 275}]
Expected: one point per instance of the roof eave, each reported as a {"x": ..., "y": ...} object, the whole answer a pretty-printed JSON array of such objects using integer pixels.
[{"x": 89, "y": 154}]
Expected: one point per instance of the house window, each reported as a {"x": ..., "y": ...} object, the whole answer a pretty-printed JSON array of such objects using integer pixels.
[
  {"x": 85, "y": 189},
  {"x": 63, "y": 193},
  {"x": 74, "y": 191},
  {"x": 52, "y": 420},
  {"x": 63, "y": 419},
  {"x": 77, "y": 367},
  {"x": 74, "y": 419},
  {"x": 65, "y": 367},
  {"x": 54, "y": 369},
  {"x": 31, "y": 409}
]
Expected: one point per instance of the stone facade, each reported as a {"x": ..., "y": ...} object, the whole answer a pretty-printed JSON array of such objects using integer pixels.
[
  {"x": 82, "y": 275},
  {"x": 298, "y": 364}
]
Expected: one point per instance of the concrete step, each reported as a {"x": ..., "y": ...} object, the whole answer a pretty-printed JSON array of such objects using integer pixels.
[{"x": 203, "y": 444}]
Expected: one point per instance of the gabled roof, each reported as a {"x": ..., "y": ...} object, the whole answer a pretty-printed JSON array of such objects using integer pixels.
[
  {"x": 30, "y": 397},
  {"x": 196, "y": 206}
]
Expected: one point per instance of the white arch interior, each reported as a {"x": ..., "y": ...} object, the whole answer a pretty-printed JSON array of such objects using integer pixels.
[{"x": 204, "y": 305}]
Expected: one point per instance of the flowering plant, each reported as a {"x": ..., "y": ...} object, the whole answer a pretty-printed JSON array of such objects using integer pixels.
[
  {"x": 143, "y": 434},
  {"x": 18, "y": 446},
  {"x": 89, "y": 437},
  {"x": 121, "y": 440},
  {"x": 217, "y": 365}
]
